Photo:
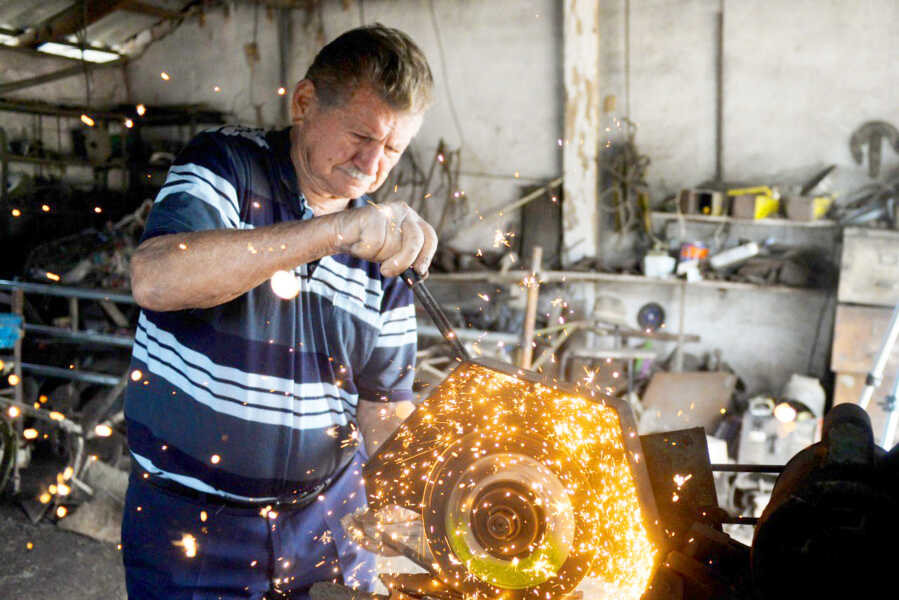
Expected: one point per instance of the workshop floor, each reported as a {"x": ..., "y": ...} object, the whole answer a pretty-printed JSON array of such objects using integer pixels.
[{"x": 60, "y": 565}]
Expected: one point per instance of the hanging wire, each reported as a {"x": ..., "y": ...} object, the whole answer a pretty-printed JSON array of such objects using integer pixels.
[
  {"x": 82, "y": 41},
  {"x": 449, "y": 95}
]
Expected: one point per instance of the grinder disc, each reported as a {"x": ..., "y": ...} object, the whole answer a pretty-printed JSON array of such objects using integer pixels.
[{"x": 499, "y": 519}]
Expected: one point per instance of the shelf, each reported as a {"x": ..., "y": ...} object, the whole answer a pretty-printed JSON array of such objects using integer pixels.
[
  {"x": 667, "y": 216},
  {"x": 586, "y": 276},
  {"x": 60, "y": 162}
]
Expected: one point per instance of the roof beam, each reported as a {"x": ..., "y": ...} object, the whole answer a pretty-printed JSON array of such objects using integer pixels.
[
  {"x": 21, "y": 84},
  {"x": 151, "y": 10},
  {"x": 68, "y": 21}
]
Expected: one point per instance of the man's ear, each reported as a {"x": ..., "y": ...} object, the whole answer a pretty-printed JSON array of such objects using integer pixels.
[{"x": 301, "y": 101}]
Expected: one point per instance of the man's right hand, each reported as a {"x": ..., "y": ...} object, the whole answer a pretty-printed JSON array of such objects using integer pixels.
[{"x": 391, "y": 234}]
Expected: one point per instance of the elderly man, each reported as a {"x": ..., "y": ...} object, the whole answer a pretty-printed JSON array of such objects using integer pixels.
[{"x": 245, "y": 409}]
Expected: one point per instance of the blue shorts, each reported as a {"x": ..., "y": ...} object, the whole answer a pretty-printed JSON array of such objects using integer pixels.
[{"x": 238, "y": 552}]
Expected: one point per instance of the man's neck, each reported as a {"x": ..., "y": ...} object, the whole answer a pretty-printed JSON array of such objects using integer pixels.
[
  {"x": 326, "y": 206},
  {"x": 319, "y": 203}
]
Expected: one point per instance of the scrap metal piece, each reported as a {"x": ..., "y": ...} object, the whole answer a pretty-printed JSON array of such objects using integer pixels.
[
  {"x": 872, "y": 134},
  {"x": 682, "y": 481}
]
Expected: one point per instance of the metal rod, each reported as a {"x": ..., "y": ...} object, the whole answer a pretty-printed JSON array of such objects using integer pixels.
[
  {"x": 740, "y": 520},
  {"x": 875, "y": 376},
  {"x": 84, "y": 336},
  {"x": 72, "y": 374},
  {"x": 889, "y": 431},
  {"x": 738, "y": 468},
  {"x": 530, "y": 316},
  {"x": 21, "y": 84},
  {"x": 432, "y": 307},
  {"x": 66, "y": 292}
]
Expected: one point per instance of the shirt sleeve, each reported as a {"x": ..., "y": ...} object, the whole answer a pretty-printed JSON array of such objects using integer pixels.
[
  {"x": 200, "y": 191},
  {"x": 390, "y": 370}
]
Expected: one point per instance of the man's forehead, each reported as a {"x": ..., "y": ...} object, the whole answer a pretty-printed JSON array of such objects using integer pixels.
[{"x": 367, "y": 111}]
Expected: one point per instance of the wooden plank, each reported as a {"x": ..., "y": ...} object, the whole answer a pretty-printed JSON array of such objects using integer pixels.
[
  {"x": 151, "y": 10},
  {"x": 858, "y": 335},
  {"x": 869, "y": 270},
  {"x": 580, "y": 212},
  {"x": 21, "y": 84}
]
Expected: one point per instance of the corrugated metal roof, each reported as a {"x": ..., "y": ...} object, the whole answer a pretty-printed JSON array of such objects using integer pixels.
[{"x": 123, "y": 21}]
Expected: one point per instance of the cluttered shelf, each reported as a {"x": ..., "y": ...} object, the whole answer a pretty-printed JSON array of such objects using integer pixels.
[
  {"x": 507, "y": 277},
  {"x": 699, "y": 218}
]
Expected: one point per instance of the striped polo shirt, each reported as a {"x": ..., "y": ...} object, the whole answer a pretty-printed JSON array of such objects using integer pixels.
[{"x": 255, "y": 399}]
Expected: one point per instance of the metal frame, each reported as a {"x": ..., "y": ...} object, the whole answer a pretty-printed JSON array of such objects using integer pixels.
[{"x": 116, "y": 382}]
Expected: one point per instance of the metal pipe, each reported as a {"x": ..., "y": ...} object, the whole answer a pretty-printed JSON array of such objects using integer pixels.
[
  {"x": 66, "y": 292},
  {"x": 72, "y": 374},
  {"x": 738, "y": 468},
  {"x": 875, "y": 376},
  {"x": 83, "y": 336},
  {"x": 889, "y": 432}
]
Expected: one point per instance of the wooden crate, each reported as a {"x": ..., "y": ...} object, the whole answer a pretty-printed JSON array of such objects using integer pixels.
[
  {"x": 869, "y": 270},
  {"x": 848, "y": 388},
  {"x": 857, "y": 337}
]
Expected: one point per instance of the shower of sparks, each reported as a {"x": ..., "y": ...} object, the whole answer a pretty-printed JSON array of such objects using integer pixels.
[
  {"x": 189, "y": 543},
  {"x": 680, "y": 480},
  {"x": 503, "y": 238},
  {"x": 580, "y": 453}
]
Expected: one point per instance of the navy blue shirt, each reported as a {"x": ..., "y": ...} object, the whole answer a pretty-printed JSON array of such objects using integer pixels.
[{"x": 256, "y": 398}]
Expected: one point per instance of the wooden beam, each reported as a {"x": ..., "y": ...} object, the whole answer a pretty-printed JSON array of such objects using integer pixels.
[
  {"x": 21, "y": 84},
  {"x": 151, "y": 10},
  {"x": 580, "y": 206},
  {"x": 68, "y": 21}
]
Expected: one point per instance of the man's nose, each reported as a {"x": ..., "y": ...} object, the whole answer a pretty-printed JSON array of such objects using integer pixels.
[{"x": 368, "y": 157}]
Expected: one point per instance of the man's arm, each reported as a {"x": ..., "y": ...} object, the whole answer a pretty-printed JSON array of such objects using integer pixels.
[
  {"x": 378, "y": 420},
  {"x": 207, "y": 268}
]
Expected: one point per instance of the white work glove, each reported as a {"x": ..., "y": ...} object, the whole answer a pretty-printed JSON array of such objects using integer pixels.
[
  {"x": 369, "y": 528},
  {"x": 391, "y": 234}
]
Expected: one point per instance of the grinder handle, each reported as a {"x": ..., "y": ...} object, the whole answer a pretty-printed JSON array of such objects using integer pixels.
[{"x": 432, "y": 307}]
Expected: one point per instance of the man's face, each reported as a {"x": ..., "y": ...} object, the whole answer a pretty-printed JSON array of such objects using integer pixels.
[{"x": 345, "y": 151}]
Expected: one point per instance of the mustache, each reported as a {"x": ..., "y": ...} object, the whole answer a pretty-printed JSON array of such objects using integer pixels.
[{"x": 357, "y": 174}]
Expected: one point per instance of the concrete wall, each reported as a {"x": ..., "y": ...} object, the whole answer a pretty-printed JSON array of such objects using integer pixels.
[{"x": 798, "y": 78}]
